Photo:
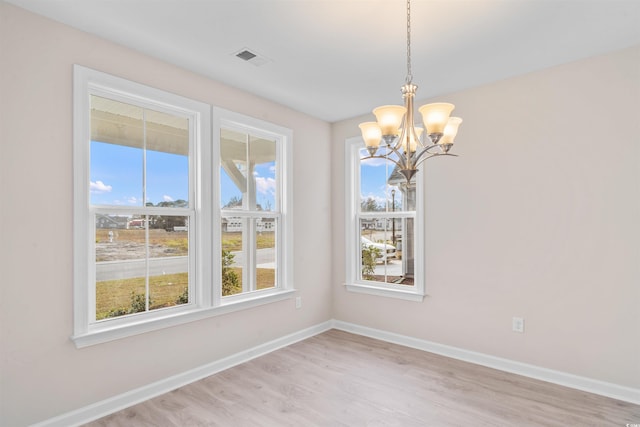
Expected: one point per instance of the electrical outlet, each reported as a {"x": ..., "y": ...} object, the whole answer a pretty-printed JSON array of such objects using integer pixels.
[
  {"x": 517, "y": 324},
  {"x": 298, "y": 302}
]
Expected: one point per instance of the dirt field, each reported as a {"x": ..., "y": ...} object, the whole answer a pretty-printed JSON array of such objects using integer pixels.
[{"x": 129, "y": 244}]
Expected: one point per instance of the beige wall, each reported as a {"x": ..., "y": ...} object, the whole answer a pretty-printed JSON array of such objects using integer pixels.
[
  {"x": 538, "y": 218},
  {"x": 42, "y": 373}
]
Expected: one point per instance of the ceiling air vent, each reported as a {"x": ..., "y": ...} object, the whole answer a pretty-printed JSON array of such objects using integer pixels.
[
  {"x": 246, "y": 55},
  {"x": 251, "y": 57}
]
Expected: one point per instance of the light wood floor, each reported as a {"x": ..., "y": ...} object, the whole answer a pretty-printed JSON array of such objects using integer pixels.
[{"x": 340, "y": 379}]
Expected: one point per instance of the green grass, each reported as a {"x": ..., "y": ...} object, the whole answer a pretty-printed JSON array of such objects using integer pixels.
[
  {"x": 114, "y": 295},
  {"x": 233, "y": 241}
]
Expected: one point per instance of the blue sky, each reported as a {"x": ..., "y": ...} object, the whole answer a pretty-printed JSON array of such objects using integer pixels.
[
  {"x": 116, "y": 177},
  {"x": 373, "y": 180}
]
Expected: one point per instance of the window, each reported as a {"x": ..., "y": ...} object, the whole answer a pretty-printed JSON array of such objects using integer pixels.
[
  {"x": 147, "y": 225},
  {"x": 383, "y": 227},
  {"x": 253, "y": 210}
]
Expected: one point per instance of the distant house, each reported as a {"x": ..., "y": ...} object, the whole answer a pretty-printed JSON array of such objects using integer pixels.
[
  {"x": 379, "y": 224},
  {"x": 136, "y": 223},
  {"x": 112, "y": 221},
  {"x": 234, "y": 224},
  {"x": 266, "y": 224}
]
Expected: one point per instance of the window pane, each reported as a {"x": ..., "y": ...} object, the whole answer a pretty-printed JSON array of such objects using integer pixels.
[
  {"x": 116, "y": 153},
  {"x": 233, "y": 259},
  {"x": 263, "y": 161},
  {"x": 265, "y": 253},
  {"x": 167, "y": 161},
  {"x": 169, "y": 262},
  {"x": 375, "y": 190},
  {"x": 233, "y": 168},
  {"x": 383, "y": 187},
  {"x": 383, "y": 250},
  {"x": 121, "y": 264},
  {"x": 136, "y": 263}
]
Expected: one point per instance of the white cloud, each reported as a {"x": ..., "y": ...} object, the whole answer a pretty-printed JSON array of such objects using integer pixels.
[
  {"x": 167, "y": 198},
  {"x": 99, "y": 187},
  {"x": 265, "y": 185},
  {"x": 132, "y": 200}
]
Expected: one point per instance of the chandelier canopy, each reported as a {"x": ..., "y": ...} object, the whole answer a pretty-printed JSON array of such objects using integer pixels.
[{"x": 405, "y": 144}]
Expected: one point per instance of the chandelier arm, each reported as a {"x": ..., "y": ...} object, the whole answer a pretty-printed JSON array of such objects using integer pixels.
[
  {"x": 381, "y": 157},
  {"x": 426, "y": 150},
  {"x": 419, "y": 162},
  {"x": 394, "y": 148}
]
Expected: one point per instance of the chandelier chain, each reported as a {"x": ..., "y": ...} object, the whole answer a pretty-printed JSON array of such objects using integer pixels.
[{"x": 409, "y": 77}]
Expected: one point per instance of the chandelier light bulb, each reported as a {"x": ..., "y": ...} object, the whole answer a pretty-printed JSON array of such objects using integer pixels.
[
  {"x": 389, "y": 118},
  {"x": 372, "y": 135},
  {"x": 450, "y": 130},
  {"x": 435, "y": 116}
]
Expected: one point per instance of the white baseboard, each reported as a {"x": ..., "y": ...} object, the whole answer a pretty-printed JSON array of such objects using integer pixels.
[
  {"x": 602, "y": 388},
  {"x": 130, "y": 398}
]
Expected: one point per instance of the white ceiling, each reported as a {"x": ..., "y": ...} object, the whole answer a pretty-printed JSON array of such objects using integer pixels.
[{"x": 336, "y": 59}]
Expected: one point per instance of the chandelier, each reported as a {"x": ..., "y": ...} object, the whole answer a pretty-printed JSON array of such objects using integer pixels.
[{"x": 405, "y": 144}]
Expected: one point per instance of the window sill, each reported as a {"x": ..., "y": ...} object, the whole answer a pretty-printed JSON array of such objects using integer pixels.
[
  {"x": 385, "y": 292},
  {"x": 106, "y": 334}
]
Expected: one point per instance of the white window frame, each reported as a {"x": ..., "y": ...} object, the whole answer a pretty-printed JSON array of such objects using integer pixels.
[
  {"x": 353, "y": 281},
  {"x": 203, "y": 213}
]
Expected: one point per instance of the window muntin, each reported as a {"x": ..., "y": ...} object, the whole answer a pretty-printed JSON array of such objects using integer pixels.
[{"x": 382, "y": 227}]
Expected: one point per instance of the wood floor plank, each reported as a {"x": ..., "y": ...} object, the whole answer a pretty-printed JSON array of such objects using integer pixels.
[{"x": 339, "y": 379}]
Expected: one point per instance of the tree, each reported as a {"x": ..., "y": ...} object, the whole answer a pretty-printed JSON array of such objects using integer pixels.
[
  {"x": 370, "y": 255},
  {"x": 234, "y": 202},
  {"x": 369, "y": 205},
  {"x": 230, "y": 282}
]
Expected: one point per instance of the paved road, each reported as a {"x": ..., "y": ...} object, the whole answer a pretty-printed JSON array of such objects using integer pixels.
[
  {"x": 114, "y": 270},
  {"x": 266, "y": 258},
  {"x": 393, "y": 268}
]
